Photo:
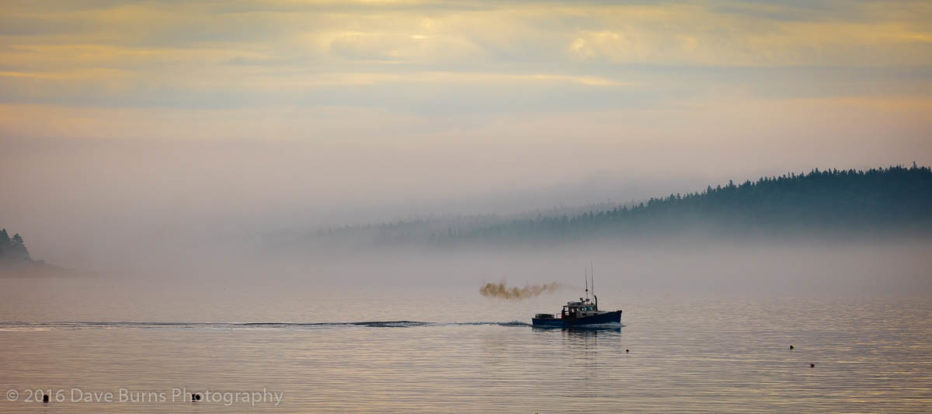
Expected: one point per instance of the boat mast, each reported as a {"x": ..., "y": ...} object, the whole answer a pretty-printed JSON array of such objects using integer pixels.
[
  {"x": 592, "y": 275},
  {"x": 586, "y": 277}
]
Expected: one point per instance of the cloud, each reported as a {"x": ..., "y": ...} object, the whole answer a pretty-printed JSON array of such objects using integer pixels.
[{"x": 467, "y": 58}]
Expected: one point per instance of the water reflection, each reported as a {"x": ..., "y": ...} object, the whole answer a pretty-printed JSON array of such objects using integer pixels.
[{"x": 616, "y": 329}]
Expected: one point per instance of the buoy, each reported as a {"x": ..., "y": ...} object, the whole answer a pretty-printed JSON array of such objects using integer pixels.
[
  {"x": 791, "y": 347},
  {"x": 627, "y": 350},
  {"x": 811, "y": 365},
  {"x": 45, "y": 398}
]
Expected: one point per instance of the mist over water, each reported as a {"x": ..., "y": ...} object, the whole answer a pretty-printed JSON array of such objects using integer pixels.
[{"x": 263, "y": 286}]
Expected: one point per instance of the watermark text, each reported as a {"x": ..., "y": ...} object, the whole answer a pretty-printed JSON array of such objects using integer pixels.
[{"x": 126, "y": 395}]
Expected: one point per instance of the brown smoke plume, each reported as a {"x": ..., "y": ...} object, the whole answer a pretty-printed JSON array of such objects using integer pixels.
[{"x": 499, "y": 290}]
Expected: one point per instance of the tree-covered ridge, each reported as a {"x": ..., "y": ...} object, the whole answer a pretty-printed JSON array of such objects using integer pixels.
[
  {"x": 885, "y": 199},
  {"x": 13, "y": 249}
]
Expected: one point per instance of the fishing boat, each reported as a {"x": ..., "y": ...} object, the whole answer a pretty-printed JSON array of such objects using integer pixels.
[{"x": 583, "y": 313}]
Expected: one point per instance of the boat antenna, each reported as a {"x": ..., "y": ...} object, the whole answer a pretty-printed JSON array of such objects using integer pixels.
[
  {"x": 592, "y": 275},
  {"x": 586, "y": 277}
]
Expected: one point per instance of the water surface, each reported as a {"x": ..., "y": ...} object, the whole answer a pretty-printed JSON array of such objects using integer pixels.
[{"x": 672, "y": 354}]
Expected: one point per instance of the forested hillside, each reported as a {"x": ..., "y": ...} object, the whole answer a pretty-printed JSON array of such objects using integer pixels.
[
  {"x": 876, "y": 200},
  {"x": 893, "y": 201}
]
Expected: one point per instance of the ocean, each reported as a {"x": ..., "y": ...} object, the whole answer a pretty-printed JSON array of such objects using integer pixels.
[{"x": 450, "y": 350}]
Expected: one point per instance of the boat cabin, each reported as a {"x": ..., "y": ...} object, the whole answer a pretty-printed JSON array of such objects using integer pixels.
[{"x": 584, "y": 307}]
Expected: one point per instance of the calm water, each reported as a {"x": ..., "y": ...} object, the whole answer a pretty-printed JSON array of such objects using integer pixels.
[{"x": 709, "y": 354}]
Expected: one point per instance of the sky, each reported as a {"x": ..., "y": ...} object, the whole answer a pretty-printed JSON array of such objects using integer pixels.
[{"x": 147, "y": 118}]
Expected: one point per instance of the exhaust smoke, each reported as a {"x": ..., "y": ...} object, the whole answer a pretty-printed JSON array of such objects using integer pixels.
[{"x": 501, "y": 290}]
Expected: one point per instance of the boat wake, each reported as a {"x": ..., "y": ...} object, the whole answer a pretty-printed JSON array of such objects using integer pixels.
[{"x": 45, "y": 326}]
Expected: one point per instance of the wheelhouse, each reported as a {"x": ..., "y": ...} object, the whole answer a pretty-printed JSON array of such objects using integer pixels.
[{"x": 580, "y": 309}]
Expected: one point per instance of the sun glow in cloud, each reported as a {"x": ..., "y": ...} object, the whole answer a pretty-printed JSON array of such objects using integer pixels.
[
  {"x": 211, "y": 54},
  {"x": 466, "y": 59}
]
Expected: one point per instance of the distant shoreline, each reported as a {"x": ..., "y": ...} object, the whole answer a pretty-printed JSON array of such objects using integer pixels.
[{"x": 34, "y": 269}]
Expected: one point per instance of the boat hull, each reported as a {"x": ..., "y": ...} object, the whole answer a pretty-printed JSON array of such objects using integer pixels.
[{"x": 588, "y": 321}]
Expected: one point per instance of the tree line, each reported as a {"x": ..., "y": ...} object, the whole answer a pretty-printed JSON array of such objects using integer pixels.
[
  {"x": 876, "y": 200},
  {"x": 13, "y": 248}
]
